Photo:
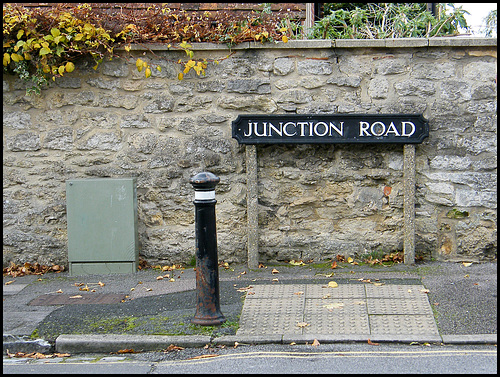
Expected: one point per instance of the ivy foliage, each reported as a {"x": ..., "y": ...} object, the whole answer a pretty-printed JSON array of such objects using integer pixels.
[
  {"x": 41, "y": 44},
  {"x": 387, "y": 20}
]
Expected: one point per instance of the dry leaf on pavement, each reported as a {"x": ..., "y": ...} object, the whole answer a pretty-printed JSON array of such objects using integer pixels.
[
  {"x": 332, "y": 284},
  {"x": 315, "y": 343},
  {"x": 303, "y": 324}
]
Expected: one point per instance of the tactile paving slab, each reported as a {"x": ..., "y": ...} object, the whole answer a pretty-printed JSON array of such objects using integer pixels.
[
  {"x": 361, "y": 309},
  {"x": 272, "y": 316},
  {"x": 398, "y": 306},
  {"x": 403, "y": 325},
  {"x": 342, "y": 291},
  {"x": 277, "y": 291}
]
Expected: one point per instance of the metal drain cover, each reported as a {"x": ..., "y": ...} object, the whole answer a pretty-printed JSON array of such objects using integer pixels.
[{"x": 62, "y": 299}]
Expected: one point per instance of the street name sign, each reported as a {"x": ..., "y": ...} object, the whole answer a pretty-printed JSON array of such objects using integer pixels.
[{"x": 330, "y": 129}]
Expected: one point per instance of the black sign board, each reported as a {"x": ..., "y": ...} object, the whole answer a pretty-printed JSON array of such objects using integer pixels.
[{"x": 330, "y": 129}]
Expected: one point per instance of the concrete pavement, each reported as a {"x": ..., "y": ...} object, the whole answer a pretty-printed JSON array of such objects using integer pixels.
[{"x": 434, "y": 302}]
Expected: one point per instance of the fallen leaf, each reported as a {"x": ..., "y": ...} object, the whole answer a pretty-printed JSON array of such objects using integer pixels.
[
  {"x": 173, "y": 348},
  {"x": 378, "y": 284},
  {"x": 202, "y": 357},
  {"x": 274, "y": 271},
  {"x": 10, "y": 282},
  {"x": 101, "y": 284},
  {"x": 172, "y": 280},
  {"x": 466, "y": 276},
  {"x": 57, "y": 354},
  {"x": 127, "y": 350},
  {"x": 334, "y": 264},
  {"x": 350, "y": 260},
  {"x": 294, "y": 262},
  {"x": 293, "y": 344},
  {"x": 250, "y": 293},
  {"x": 332, "y": 284},
  {"x": 93, "y": 290},
  {"x": 424, "y": 291},
  {"x": 275, "y": 279},
  {"x": 337, "y": 305},
  {"x": 236, "y": 344},
  {"x": 466, "y": 264},
  {"x": 86, "y": 288},
  {"x": 298, "y": 293},
  {"x": 77, "y": 296},
  {"x": 159, "y": 278},
  {"x": 302, "y": 324},
  {"x": 149, "y": 289},
  {"x": 315, "y": 343},
  {"x": 132, "y": 289},
  {"x": 372, "y": 343},
  {"x": 59, "y": 291}
]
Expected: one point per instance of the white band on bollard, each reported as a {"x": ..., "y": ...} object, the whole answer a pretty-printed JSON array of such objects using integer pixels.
[{"x": 204, "y": 195}]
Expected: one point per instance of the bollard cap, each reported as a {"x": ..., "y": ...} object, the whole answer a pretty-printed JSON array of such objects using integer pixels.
[{"x": 204, "y": 181}]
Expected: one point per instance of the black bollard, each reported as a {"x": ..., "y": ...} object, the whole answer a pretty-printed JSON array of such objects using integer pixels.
[{"x": 207, "y": 272}]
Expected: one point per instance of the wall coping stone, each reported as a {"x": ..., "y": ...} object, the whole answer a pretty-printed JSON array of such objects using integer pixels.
[{"x": 334, "y": 43}]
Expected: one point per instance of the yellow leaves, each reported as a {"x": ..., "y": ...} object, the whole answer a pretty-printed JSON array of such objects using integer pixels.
[
  {"x": 6, "y": 59},
  {"x": 336, "y": 305},
  {"x": 180, "y": 76},
  {"x": 274, "y": 271},
  {"x": 466, "y": 264},
  {"x": 284, "y": 39},
  {"x": 302, "y": 324},
  {"x": 148, "y": 72},
  {"x": 332, "y": 284},
  {"x": 139, "y": 63},
  {"x": 293, "y": 262},
  {"x": 70, "y": 67}
]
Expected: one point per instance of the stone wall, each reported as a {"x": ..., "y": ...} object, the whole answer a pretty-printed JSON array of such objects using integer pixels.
[{"x": 315, "y": 201}]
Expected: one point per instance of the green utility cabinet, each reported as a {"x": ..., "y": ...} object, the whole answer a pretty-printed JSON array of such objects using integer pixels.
[{"x": 102, "y": 225}]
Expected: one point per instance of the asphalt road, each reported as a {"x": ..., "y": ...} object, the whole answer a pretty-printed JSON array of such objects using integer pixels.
[{"x": 278, "y": 359}]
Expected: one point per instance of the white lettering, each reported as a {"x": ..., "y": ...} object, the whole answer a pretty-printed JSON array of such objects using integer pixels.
[
  {"x": 302, "y": 124},
  {"x": 363, "y": 129},
  {"x": 264, "y": 124},
  {"x": 249, "y": 129},
  {"x": 271, "y": 127},
  {"x": 339, "y": 131},
  {"x": 316, "y": 129},
  {"x": 404, "y": 133},
  {"x": 377, "y": 126},
  {"x": 392, "y": 129},
  {"x": 285, "y": 131}
]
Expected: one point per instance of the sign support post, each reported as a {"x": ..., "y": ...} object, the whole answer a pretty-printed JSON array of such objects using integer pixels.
[{"x": 252, "y": 207}]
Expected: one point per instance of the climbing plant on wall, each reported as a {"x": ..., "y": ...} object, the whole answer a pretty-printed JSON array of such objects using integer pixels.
[
  {"x": 40, "y": 44},
  {"x": 43, "y": 43}
]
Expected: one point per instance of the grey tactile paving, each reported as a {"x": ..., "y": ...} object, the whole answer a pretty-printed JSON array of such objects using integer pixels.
[
  {"x": 336, "y": 316},
  {"x": 275, "y": 291},
  {"x": 398, "y": 306},
  {"x": 272, "y": 316},
  {"x": 403, "y": 325},
  {"x": 349, "y": 309},
  {"x": 396, "y": 291},
  {"x": 343, "y": 291}
]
